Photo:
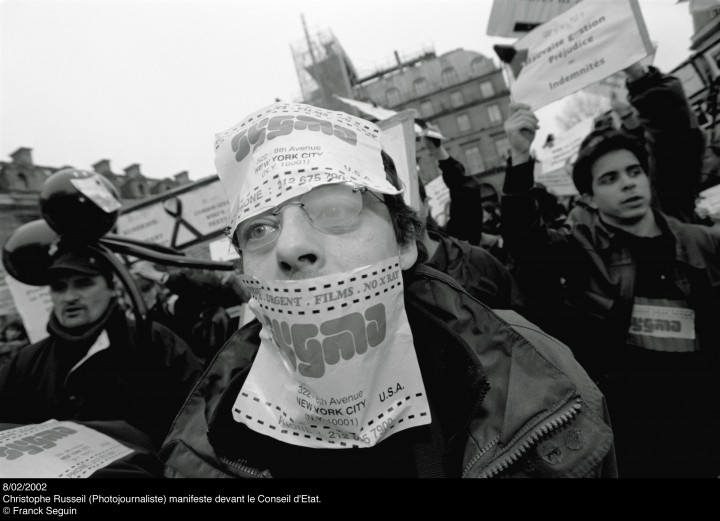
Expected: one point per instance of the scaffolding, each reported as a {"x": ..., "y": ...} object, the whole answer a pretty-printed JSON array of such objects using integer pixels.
[{"x": 323, "y": 68}]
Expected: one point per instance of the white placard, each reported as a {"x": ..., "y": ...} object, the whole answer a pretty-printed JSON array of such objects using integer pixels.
[
  {"x": 439, "y": 199},
  {"x": 554, "y": 166},
  {"x": 710, "y": 200},
  {"x": 398, "y": 140},
  {"x": 55, "y": 449},
  {"x": 179, "y": 220},
  {"x": 34, "y": 305},
  {"x": 585, "y": 44}
]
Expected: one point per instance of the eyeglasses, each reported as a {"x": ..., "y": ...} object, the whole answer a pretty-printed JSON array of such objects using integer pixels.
[{"x": 329, "y": 208}]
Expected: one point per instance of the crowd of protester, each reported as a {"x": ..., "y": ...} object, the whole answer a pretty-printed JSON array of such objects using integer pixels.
[{"x": 625, "y": 276}]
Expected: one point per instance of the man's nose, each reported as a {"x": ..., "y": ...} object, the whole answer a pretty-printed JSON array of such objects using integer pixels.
[
  {"x": 628, "y": 181},
  {"x": 68, "y": 295},
  {"x": 298, "y": 248}
]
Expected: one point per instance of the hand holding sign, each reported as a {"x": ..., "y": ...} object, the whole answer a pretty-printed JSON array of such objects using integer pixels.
[{"x": 520, "y": 128}]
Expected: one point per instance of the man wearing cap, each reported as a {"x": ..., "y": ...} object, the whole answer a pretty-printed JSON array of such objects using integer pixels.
[
  {"x": 363, "y": 362},
  {"x": 95, "y": 364}
]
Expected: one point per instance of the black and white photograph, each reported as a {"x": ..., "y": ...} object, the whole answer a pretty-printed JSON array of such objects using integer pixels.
[{"x": 330, "y": 241}]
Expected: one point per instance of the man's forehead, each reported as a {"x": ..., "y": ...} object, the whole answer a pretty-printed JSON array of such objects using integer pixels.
[
  {"x": 68, "y": 274},
  {"x": 613, "y": 158}
]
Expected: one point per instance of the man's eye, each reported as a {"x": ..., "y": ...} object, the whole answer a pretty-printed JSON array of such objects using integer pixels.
[
  {"x": 334, "y": 214},
  {"x": 258, "y": 231}
]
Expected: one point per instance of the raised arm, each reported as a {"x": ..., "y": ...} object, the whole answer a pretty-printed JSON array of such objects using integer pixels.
[{"x": 674, "y": 140}]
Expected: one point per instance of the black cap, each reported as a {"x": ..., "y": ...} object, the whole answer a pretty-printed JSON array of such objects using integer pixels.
[{"x": 80, "y": 260}]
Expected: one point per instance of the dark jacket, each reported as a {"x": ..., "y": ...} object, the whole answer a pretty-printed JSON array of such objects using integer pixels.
[
  {"x": 143, "y": 383},
  {"x": 581, "y": 283},
  {"x": 674, "y": 141},
  {"x": 506, "y": 400},
  {"x": 199, "y": 316},
  {"x": 583, "y": 274},
  {"x": 478, "y": 271},
  {"x": 466, "y": 214}
]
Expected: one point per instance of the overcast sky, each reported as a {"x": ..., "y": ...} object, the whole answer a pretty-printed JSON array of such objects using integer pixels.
[{"x": 151, "y": 81}]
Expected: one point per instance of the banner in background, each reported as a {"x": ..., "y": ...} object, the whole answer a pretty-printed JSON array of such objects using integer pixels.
[
  {"x": 439, "y": 200},
  {"x": 710, "y": 200},
  {"x": 398, "y": 140},
  {"x": 515, "y": 18},
  {"x": 557, "y": 156},
  {"x": 585, "y": 44},
  {"x": 615, "y": 85},
  {"x": 381, "y": 113},
  {"x": 7, "y": 306},
  {"x": 178, "y": 219},
  {"x": 34, "y": 305}
]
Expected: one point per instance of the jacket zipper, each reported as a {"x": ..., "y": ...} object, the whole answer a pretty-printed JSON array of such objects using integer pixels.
[
  {"x": 538, "y": 433},
  {"x": 249, "y": 471}
]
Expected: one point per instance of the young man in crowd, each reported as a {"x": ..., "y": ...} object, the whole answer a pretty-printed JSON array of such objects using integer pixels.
[
  {"x": 633, "y": 292},
  {"x": 365, "y": 363}
]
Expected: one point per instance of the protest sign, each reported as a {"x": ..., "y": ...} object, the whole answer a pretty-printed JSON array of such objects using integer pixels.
[
  {"x": 381, "y": 113},
  {"x": 439, "y": 200},
  {"x": 34, "y": 305},
  {"x": 7, "y": 306},
  {"x": 55, "y": 449},
  {"x": 710, "y": 200},
  {"x": 180, "y": 218},
  {"x": 585, "y": 44},
  {"x": 515, "y": 18},
  {"x": 615, "y": 85},
  {"x": 398, "y": 140},
  {"x": 556, "y": 158}
]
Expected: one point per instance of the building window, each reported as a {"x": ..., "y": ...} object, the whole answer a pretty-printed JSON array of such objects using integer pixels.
[
  {"x": 420, "y": 87},
  {"x": 478, "y": 66},
  {"x": 474, "y": 160},
  {"x": 463, "y": 123},
  {"x": 23, "y": 181},
  {"x": 393, "y": 96},
  {"x": 494, "y": 114},
  {"x": 450, "y": 76},
  {"x": 487, "y": 89},
  {"x": 502, "y": 145},
  {"x": 456, "y": 99},
  {"x": 427, "y": 109}
]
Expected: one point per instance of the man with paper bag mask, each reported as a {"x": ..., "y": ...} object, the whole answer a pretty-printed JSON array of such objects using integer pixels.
[{"x": 362, "y": 362}]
